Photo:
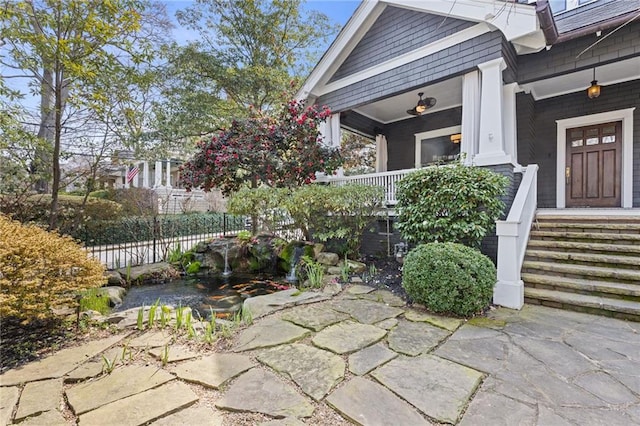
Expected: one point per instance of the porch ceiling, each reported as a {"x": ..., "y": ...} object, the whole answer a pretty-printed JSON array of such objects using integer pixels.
[
  {"x": 616, "y": 72},
  {"x": 447, "y": 93}
]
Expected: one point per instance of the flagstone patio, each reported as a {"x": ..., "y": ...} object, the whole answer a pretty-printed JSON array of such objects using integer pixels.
[{"x": 358, "y": 357}]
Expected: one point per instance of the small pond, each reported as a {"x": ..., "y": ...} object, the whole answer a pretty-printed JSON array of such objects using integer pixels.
[{"x": 223, "y": 295}]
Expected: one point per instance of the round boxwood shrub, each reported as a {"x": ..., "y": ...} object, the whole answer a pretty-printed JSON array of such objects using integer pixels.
[{"x": 449, "y": 278}]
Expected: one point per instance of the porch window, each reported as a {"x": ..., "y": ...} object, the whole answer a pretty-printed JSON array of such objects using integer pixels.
[{"x": 438, "y": 150}]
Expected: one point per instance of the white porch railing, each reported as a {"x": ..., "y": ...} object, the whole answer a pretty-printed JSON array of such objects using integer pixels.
[
  {"x": 513, "y": 236},
  {"x": 387, "y": 180}
]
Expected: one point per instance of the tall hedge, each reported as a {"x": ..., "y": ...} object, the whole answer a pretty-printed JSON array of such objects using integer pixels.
[
  {"x": 452, "y": 203},
  {"x": 40, "y": 270}
]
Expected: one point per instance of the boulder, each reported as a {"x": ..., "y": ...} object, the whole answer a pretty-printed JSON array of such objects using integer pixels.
[
  {"x": 356, "y": 267},
  {"x": 114, "y": 293},
  {"x": 327, "y": 258},
  {"x": 114, "y": 278},
  {"x": 153, "y": 272}
]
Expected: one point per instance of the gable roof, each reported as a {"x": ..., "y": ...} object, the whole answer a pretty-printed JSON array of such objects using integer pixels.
[{"x": 517, "y": 22}]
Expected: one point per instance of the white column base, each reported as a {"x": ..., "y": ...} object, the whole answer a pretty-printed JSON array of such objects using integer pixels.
[
  {"x": 492, "y": 159},
  {"x": 509, "y": 294}
]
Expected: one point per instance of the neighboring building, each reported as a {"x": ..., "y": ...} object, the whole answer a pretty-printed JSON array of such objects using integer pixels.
[{"x": 509, "y": 81}]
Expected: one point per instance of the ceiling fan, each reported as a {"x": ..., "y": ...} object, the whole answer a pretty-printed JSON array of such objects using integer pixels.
[{"x": 422, "y": 106}]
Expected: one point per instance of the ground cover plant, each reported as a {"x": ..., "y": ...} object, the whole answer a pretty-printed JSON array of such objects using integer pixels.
[
  {"x": 452, "y": 203},
  {"x": 449, "y": 278}
]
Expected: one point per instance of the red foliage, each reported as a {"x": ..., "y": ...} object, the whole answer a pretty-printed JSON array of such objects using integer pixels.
[{"x": 282, "y": 151}]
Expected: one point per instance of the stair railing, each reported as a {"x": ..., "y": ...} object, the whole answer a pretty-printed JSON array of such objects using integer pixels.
[{"x": 513, "y": 236}]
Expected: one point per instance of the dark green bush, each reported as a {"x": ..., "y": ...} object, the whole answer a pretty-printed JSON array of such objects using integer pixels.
[
  {"x": 453, "y": 203},
  {"x": 449, "y": 278}
]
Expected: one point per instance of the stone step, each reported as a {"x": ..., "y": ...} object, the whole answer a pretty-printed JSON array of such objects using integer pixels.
[
  {"x": 623, "y": 249},
  {"x": 618, "y": 227},
  {"x": 577, "y": 285},
  {"x": 586, "y": 236},
  {"x": 623, "y": 218},
  {"x": 584, "y": 303},
  {"x": 582, "y": 271},
  {"x": 604, "y": 260}
]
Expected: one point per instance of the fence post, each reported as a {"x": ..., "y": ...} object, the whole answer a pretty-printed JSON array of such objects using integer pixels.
[
  {"x": 155, "y": 234},
  {"x": 224, "y": 224}
]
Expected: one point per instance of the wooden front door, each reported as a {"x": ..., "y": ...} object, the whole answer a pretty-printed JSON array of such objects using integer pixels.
[{"x": 592, "y": 172}]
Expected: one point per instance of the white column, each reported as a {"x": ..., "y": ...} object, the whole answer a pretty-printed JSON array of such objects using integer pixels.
[
  {"x": 491, "y": 149},
  {"x": 509, "y": 290},
  {"x": 145, "y": 174},
  {"x": 330, "y": 132},
  {"x": 126, "y": 183},
  {"x": 158, "y": 176},
  {"x": 509, "y": 124},
  {"x": 470, "y": 115},
  {"x": 168, "y": 173}
]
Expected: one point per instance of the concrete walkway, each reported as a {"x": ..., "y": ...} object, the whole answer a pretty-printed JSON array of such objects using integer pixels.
[{"x": 360, "y": 356}]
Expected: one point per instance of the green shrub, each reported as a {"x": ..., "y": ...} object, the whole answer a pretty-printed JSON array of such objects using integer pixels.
[
  {"x": 40, "y": 270},
  {"x": 449, "y": 204},
  {"x": 449, "y": 278}
]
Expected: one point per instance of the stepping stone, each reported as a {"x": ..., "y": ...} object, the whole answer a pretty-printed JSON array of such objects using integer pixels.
[
  {"x": 58, "y": 364},
  {"x": 175, "y": 354},
  {"x": 450, "y": 324},
  {"x": 437, "y": 387},
  {"x": 38, "y": 397},
  {"x": 288, "y": 421},
  {"x": 49, "y": 418},
  {"x": 143, "y": 407},
  {"x": 489, "y": 408},
  {"x": 314, "y": 370},
  {"x": 260, "y": 391},
  {"x": 214, "y": 370},
  {"x": 94, "y": 368},
  {"x": 121, "y": 383},
  {"x": 386, "y": 297},
  {"x": 387, "y": 324},
  {"x": 199, "y": 416},
  {"x": 268, "y": 333},
  {"x": 415, "y": 338},
  {"x": 367, "y": 403},
  {"x": 260, "y": 306},
  {"x": 314, "y": 317},
  {"x": 347, "y": 337},
  {"x": 151, "y": 339},
  {"x": 8, "y": 399},
  {"x": 606, "y": 388},
  {"x": 365, "y": 311},
  {"x": 359, "y": 289},
  {"x": 362, "y": 362}
]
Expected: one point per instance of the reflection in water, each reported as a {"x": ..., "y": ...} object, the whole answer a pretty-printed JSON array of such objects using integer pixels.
[{"x": 220, "y": 295}]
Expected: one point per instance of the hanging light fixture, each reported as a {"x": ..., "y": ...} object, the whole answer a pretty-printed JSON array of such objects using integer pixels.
[
  {"x": 594, "y": 90},
  {"x": 422, "y": 105}
]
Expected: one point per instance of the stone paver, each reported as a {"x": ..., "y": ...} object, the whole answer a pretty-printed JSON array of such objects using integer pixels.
[
  {"x": 437, "y": 387},
  {"x": 8, "y": 399},
  {"x": 415, "y": 338},
  {"x": 498, "y": 410},
  {"x": 347, "y": 337},
  {"x": 359, "y": 289},
  {"x": 151, "y": 339},
  {"x": 314, "y": 370},
  {"x": 38, "y": 397},
  {"x": 269, "y": 332},
  {"x": 48, "y": 418},
  {"x": 196, "y": 416},
  {"x": 288, "y": 421},
  {"x": 262, "y": 305},
  {"x": 314, "y": 317},
  {"x": 384, "y": 296},
  {"x": 387, "y": 324},
  {"x": 366, "y": 311},
  {"x": 121, "y": 383},
  {"x": 260, "y": 391},
  {"x": 94, "y": 367},
  {"x": 368, "y": 403},
  {"x": 213, "y": 370},
  {"x": 450, "y": 324},
  {"x": 362, "y": 362},
  {"x": 58, "y": 364},
  {"x": 143, "y": 407},
  {"x": 606, "y": 388},
  {"x": 175, "y": 353}
]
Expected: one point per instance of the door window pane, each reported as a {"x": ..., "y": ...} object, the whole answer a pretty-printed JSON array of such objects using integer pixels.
[
  {"x": 609, "y": 139},
  {"x": 592, "y": 136},
  {"x": 576, "y": 143}
]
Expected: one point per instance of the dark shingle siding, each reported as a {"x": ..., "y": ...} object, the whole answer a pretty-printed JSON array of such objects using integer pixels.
[
  {"x": 445, "y": 64},
  {"x": 543, "y": 139},
  {"x": 397, "y": 31},
  {"x": 563, "y": 57},
  {"x": 593, "y": 13},
  {"x": 359, "y": 122}
]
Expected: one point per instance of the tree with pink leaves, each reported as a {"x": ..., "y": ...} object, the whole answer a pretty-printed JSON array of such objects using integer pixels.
[{"x": 284, "y": 150}]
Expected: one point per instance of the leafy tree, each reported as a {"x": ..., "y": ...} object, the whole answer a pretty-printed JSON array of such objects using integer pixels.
[
  {"x": 358, "y": 152},
  {"x": 281, "y": 151},
  {"x": 247, "y": 54},
  {"x": 63, "y": 48}
]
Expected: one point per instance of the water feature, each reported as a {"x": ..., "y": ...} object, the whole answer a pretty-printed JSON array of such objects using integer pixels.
[
  {"x": 223, "y": 295},
  {"x": 295, "y": 259},
  {"x": 227, "y": 270}
]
